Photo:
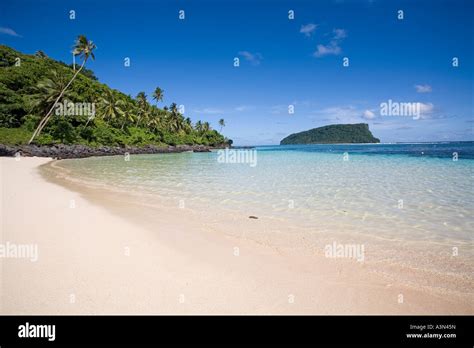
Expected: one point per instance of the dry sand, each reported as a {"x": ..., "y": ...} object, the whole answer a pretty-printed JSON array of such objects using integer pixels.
[{"x": 99, "y": 255}]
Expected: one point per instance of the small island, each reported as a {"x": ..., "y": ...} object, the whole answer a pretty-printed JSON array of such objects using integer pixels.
[{"x": 333, "y": 134}]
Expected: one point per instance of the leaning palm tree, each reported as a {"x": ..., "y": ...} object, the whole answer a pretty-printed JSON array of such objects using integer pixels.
[
  {"x": 222, "y": 124},
  {"x": 83, "y": 48},
  {"x": 158, "y": 94},
  {"x": 47, "y": 90}
]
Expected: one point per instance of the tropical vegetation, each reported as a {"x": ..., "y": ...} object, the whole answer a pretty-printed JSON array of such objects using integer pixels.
[{"x": 33, "y": 86}]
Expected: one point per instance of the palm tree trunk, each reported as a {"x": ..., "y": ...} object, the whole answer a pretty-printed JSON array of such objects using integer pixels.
[{"x": 48, "y": 115}]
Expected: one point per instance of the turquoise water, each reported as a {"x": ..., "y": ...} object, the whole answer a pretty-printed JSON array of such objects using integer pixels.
[{"x": 397, "y": 192}]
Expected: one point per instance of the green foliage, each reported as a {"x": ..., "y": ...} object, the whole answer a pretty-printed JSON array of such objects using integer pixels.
[
  {"x": 86, "y": 72},
  {"x": 30, "y": 121},
  {"x": 171, "y": 139},
  {"x": 46, "y": 139},
  {"x": 12, "y": 107},
  {"x": 139, "y": 136},
  {"x": 14, "y": 136},
  {"x": 333, "y": 134},
  {"x": 28, "y": 91},
  {"x": 103, "y": 134},
  {"x": 61, "y": 129}
]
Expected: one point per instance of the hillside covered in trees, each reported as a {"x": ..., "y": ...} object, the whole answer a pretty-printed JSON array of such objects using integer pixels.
[
  {"x": 31, "y": 84},
  {"x": 333, "y": 134}
]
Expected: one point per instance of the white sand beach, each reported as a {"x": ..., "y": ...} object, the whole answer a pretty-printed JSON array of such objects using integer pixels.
[{"x": 98, "y": 255}]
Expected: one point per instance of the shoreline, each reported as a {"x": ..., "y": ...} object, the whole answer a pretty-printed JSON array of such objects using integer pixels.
[
  {"x": 176, "y": 264},
  {"x": 61, "y": 151}
]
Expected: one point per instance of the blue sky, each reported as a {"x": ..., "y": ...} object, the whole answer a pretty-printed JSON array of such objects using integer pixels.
[{"x": 283, "y": 62}]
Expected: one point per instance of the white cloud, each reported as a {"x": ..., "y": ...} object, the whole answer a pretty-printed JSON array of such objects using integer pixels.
[
  {"x": 339, "y": 34},
  {"x": 340, "y": 114},
  {"x": 254, "y": 58},
  {"x": 423, "y": 88},
  {"x": 222, "y": 110},
  {"x": 209, "y": 111},
  {"x": 241, "y": 108},
  {"x": 324, "y": 50},
  {"x": 426, "y": 110},
  {"x": 368, "y": 115},
  {"x": 9, "y": 31},
  {"x": 344, "y": 114},
  {"x": 333, "y": 48},
  {"x": 279, "y": 109},
  {"x": 308, "y": 29}
]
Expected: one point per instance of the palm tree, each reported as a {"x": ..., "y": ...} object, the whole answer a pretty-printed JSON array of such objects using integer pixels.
[
  {"x": 41, "y": 54},
  {"x": 173, "y": 108},
  {"x": 206, "y": 127},
  {"x": 154, "y": 121},
  {"x": 129, "y": 114},
  {"x": 142, "y": 107},
  {"x": 176, "y": 120},
  {"x": 158, "y": 94},
  {"x": 173, "y": 123},
  {"x": 83, "y": 48},
  {"x": 199, "y": 126},
  {"x": 111, "y": 108},
  {"x": 46, "y": 91},
  {"x": 141, "y": 99},
  {"x": 188, "y": 125},
  {"x": 222, "y": 124}
]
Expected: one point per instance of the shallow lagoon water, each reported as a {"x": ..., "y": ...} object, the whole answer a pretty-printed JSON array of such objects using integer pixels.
[
  {"x": 425, "y": 196},
  {"x": 416, "y": 198}
]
